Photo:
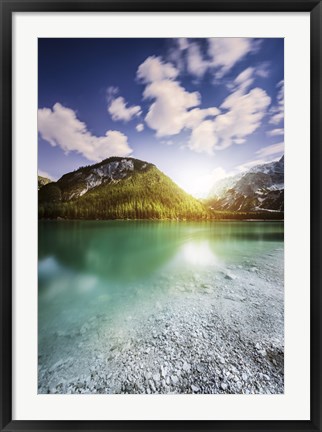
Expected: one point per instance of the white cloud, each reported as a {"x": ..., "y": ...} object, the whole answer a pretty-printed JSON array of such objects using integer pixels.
[
  {"x": 45, "y": 174},
  {"x": 263, "y": 70},
  {"x": 168, "y": 113},
  {"x": 154, "y": 69},
  {"x": 174, "y": 109},
  {"x": 226, "y": 52},
  {"x": 239, "y": 140},
  {"x": 120, "y": 111},
  {"x": 277, "y": 118},
  {"x": 196, "y": 65},
  {"x": 60, "y": 126},
  {"x": 194, "y": 117},
  {"x": 139, "y": 127},
  {"x": 203, "y": 138},
  {"x": 275, "y": 132},
  {"x": 183, "y": 43},
  {"x": 112, "y": 92},
  {"x": 176, "y": 53},
  {"x": 222, "y": 54},
  {"x": 244, "y": 114},
  {"x": 271, "y": 150},
  {"x": 245, "y": 78},
  {"x": 277, "y": 111}
]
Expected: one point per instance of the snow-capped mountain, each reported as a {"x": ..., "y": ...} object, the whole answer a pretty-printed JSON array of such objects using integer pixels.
[
  {"x": 110, "y": 171},
  {"x": 259, "y": 188}
]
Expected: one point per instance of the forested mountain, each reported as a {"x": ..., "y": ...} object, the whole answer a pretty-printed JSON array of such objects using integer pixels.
[
  {"x": 118, "y": 188},
  {"x": 261, "y": 188}
]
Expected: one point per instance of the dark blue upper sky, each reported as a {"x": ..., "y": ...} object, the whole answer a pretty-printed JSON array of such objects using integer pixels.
[{"x": 199, "y": 109}]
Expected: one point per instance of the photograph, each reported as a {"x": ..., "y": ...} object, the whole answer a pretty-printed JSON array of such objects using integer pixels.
[{"x": 161, "y": 216}]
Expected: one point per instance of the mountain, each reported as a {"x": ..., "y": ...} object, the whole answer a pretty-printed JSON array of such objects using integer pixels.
[
  {"x": 42, "y": 181},
  {"x": 260, "y": 188},
  {"x": 117, "y": 188}
]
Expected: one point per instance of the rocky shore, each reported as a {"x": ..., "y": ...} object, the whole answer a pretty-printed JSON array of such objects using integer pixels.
[{"x": 218, "y": 332}]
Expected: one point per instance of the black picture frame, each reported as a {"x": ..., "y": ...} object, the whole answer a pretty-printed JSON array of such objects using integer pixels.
[{"x": 8, "y": 7}]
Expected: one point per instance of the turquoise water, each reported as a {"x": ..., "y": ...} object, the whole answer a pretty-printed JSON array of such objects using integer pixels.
[
  {"x": 85, "y": 265},
  {"x": 117, "y": 269}
]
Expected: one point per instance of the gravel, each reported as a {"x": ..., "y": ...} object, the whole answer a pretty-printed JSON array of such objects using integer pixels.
[{"x": 220, "y": 332}]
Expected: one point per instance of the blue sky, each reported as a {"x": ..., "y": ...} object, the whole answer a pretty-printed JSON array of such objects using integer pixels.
[{"x": 200, "y": 109}]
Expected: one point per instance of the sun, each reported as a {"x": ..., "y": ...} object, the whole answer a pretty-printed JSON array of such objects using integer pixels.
[{"x": 199, "y": 182}]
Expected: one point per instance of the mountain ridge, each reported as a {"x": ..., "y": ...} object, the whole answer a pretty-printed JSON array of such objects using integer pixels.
[
  {"x": 118, "y": 187},
  {"x": 261, "y": 188}
]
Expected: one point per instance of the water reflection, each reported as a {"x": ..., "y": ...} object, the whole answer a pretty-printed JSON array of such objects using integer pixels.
[
  {"x": 87, "y": 268},
  {"x": 122, "y": 251},
  {"x": 130, "y": 250},
  {"x": 198, "y": 253}
]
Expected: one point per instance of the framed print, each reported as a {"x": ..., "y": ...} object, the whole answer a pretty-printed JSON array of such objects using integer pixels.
[{"x": 160, "y": 221}]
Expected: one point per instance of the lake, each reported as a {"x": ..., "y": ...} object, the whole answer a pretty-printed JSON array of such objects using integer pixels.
[{"x": 111, "y": 290}]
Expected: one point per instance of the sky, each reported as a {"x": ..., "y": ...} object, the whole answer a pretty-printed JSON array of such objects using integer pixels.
[{"x": 199, "y": 109}]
